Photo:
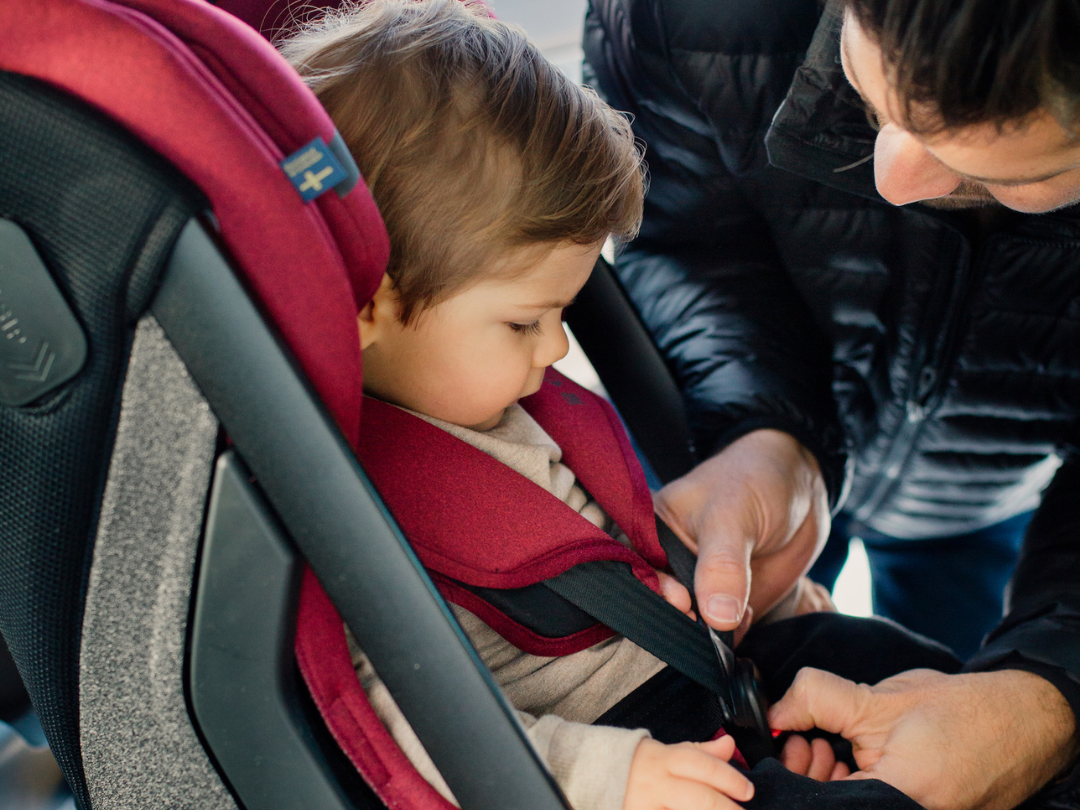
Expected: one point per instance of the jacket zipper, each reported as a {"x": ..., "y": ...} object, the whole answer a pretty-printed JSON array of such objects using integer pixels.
[{"x": 929, "y": 377}]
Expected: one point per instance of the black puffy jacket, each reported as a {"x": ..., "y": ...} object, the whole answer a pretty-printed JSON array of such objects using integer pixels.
[{"x": 939, "y": 352}]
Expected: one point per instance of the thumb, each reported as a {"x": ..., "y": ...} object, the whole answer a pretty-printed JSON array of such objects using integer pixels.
[
  {"x": 722, "y": 576},
  {"x": 819, "y": 699}
]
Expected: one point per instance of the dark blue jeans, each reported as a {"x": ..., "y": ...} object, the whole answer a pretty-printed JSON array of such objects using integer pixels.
[{"x": 947, "y": 588}]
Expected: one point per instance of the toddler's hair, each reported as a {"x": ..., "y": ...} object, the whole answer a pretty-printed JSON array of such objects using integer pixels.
[{"x": 471, "y": 142}]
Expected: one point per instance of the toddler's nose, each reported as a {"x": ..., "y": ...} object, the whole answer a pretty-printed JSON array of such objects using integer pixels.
[{"x": 553, "y": 347}]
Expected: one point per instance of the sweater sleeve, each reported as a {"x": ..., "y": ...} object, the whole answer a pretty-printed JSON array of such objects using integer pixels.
[{"x": 590, "y": 763}]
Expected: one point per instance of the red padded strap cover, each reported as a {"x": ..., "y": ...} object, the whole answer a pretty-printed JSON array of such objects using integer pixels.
[
  {"x": 323, "y": 655},
  {"x": 596, "y": 447},
  {"x": 473, "y": 520}
]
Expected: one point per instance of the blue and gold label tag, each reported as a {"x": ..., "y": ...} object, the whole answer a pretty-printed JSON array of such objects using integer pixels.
[{"x": 314, "y": 169}]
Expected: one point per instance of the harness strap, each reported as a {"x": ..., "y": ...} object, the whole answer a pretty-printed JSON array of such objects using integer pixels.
[{"x": 609, "y": 592}]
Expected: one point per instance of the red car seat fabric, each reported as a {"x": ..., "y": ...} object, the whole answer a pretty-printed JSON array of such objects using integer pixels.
[
  {"x": 272, "y": 17},
  {"x": 521, "y": 535},
  {"x": 214, "y": 98},
  {"x": 323, "y": 655}
]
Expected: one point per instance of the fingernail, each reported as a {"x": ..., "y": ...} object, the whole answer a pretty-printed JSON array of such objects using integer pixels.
[{"x": 723, "y": 609}]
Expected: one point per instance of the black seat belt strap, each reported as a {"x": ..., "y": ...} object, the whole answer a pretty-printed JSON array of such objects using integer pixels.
[{"x": 609, "y": 592}]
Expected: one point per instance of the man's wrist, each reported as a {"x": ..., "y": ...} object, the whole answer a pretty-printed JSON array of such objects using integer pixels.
[
  {"x": 1069, "y": 690},
  {"x": 1045, "y": 725}
]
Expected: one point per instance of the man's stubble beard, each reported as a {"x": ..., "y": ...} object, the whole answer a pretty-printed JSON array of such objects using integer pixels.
[{"x": 968, "y": 194}]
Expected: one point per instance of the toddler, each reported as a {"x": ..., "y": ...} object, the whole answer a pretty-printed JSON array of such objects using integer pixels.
[{"x": 498, "y": 180}]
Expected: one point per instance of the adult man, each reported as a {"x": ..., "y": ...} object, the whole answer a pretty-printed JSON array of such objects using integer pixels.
[{"x": 770, "y": 266}]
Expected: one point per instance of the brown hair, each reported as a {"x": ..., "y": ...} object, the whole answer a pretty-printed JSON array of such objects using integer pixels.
[
  {"x": 471, "y": 142},
  {"x": 955, "y": 63}
]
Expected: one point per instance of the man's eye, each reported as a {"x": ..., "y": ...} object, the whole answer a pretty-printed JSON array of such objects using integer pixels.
[{"x": 526, "y": 328}]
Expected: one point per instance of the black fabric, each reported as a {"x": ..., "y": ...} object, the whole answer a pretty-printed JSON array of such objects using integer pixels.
[
  {"x": 671, "y": 706},
  {"x": 14, "y": 699},
  {"x": 777, "y": 788},
  {"x": 103, "y": 212},
  {"x": 862, "y": 650}
]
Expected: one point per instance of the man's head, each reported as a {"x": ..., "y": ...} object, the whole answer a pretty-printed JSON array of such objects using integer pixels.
[
  {"x": 977, "y": 101},
  {"x": 473, "y": 145}
]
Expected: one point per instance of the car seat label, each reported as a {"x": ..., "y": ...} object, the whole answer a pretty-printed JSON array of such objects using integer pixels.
[
  {"x": 314, "y": 169},
  {"x": 42, "y": 345}
]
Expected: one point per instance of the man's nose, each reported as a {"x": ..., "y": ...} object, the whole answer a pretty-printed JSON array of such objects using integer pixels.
[{"x": 905, "y": 171}]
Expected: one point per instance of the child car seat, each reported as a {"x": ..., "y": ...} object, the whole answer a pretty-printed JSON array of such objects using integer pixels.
[{"x": 161, "y": 275}]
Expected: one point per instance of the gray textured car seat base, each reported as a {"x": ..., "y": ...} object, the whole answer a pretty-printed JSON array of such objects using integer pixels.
[{"x": 139, "y": 748}]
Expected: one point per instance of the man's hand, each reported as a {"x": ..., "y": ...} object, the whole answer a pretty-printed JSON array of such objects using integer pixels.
[
  {"x": 814, "y": 758},
  {"x": 757, "y": 509},
  {"x": 983, "y": 740}
]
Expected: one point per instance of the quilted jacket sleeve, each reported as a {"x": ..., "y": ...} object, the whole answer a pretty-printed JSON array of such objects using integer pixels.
[
  {"x": 1041, "y": 629},
  {"x": 738, "y": 338}
]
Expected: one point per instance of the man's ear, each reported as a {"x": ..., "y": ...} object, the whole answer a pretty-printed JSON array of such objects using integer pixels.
[{"x": 373, "y": 318}]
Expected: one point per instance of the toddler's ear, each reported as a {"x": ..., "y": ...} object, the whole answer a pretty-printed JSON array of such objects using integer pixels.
[{"x": 374, "y": 314}]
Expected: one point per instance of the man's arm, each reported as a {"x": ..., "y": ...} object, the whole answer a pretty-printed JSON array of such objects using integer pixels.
[{"x": 754, "y": 368}]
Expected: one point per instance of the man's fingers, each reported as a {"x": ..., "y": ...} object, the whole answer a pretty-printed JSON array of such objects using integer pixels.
[
  {"x": 814, "y": 758},
  {"x": 795, "y": 755},
  {"x": 744, "y": 625},
  {"x": 822, "y": 760},
  {"x": 819, "y": 699},
  {"x": 840, "y": 771}
]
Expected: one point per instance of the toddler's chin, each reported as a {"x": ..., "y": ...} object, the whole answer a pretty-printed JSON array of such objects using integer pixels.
[{"x": 488, "y": 424}]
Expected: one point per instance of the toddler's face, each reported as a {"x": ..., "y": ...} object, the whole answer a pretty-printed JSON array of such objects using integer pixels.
[{"x": 468, "y": 359}]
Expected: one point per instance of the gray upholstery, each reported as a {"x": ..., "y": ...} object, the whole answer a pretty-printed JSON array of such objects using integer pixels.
[{"x": 139, "y": 748}]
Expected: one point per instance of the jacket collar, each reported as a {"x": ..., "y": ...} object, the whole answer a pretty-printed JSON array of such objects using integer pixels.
[{"x": 821, "y": 131}]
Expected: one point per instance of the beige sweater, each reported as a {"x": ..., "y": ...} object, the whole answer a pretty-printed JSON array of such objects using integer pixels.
[{"x": 556, "y": 698}]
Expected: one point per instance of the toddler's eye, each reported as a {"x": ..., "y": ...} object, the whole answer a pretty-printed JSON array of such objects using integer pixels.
[{"x": 526, "y": 328}]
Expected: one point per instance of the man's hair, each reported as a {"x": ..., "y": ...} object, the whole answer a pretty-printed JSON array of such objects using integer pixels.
[
  {"x": 955, "y": 63},
  {"x": 471, "y": 142}
]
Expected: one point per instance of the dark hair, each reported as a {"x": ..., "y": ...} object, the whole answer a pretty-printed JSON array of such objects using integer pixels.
[
  {"x": 471, "y": 142},
  {"x": 954, "y": 63}
]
